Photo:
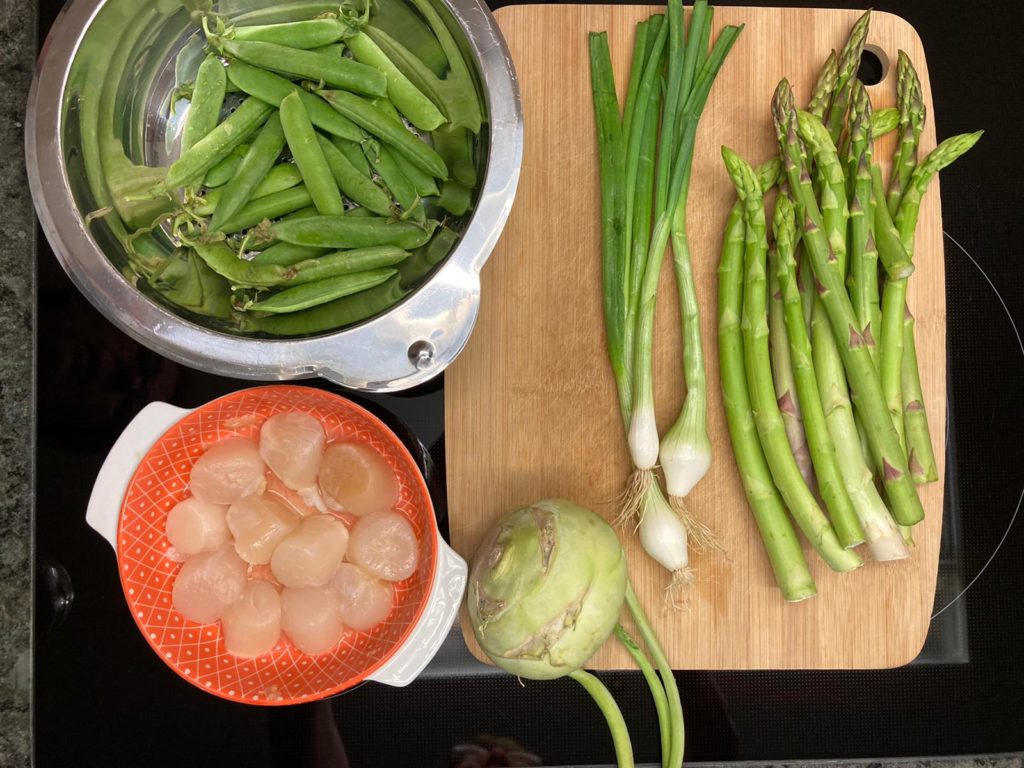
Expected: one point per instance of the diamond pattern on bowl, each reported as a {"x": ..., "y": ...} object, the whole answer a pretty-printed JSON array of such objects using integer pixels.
[{"x": 148, "y": 566}]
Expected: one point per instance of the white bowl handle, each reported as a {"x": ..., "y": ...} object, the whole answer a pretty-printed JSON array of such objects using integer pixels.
[
  {"x": 118, "y": 468},
  {"x": 433, "y": 626}
]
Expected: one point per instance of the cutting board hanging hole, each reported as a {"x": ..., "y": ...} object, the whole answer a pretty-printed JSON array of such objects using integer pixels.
[{"x": 874, "y": 65}]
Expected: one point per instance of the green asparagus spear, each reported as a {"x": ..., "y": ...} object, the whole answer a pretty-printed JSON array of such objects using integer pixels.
[
  {"x": 867, "y": 392},
  {"x": 882, "y": 535},
  {"x": 849, "y": 63},
  {"x": 895, "y": 295},
  {"x": 920, "y": 454},
  {"x": 884, "y": 121},
  {"x": 785, "y": 384},
  {"x": 821, "y": 96},
  {"x": 831, "y": 182},
  {"x": 823, "y": 453},
  {"x": 910, "y": 104},
  {"x": 780, "y": 540},
  {"x": 786, "y": 474},
  {"x": 863, "y": 279}
]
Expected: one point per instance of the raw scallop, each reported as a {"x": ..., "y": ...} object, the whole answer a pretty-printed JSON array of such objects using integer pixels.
[
  {"x": 385, "y": 545},
  {"x": 309, "y": 616},
  {"x": 252, "y": 624},
  {"x": 308, "y": 556},
  {"x": 357, "y": 479},
  {"x": 207, "y": 583},
  {"x": 259, "y": 523},
  {"x": 292, "y": 444},
  {"x": 228, "y": 471},
  {"x": 363, "y": 600},
  {"x": 194, "y": 526}
]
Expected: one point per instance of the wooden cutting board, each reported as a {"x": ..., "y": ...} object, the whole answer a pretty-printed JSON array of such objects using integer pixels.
[{"x": 530, "y": 405}]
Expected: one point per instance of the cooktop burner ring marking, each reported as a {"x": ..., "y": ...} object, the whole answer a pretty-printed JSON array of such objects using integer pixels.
[{"x": 1020, "y": 499}]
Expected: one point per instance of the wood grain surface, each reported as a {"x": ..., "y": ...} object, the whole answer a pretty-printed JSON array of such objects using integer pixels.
[{"x": 530, "y": 405}]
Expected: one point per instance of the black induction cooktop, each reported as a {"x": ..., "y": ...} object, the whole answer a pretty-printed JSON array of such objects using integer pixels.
[{"x": 103, "y": 698}]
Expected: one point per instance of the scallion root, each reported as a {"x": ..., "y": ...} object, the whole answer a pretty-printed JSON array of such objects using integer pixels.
[
  {"x": 632, "y": 499},
  {"x": 700, "y": 533}
]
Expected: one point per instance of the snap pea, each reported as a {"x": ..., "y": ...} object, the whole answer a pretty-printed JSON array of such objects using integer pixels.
[
  {"x": 271, "y": 88},
  {"x": 455, "y": 198},
  {"x": 354, "y": 152},
  {"x": 253, "y": 170},
  {"x": 350, "y": 310},
  {"x": 217, "y": 144},
  {"x": 279, "y": 178},
  {"x": 206, "y": 102},
  {"x": 222, "y": 172},
  {"x": 455, "y": 145},
  {"x": 357, "y": 187},
  {"x": 418, "y": 266},
  {"x": 268, "y": 207},
  {"x": 339, "y": 313},
  {"x": 335, "y": 71},
  {"x": 398, "y": 19},
  {"x": 314, "y": 33},
  {"x": 266, "y": 244},
  {"x": 377, "y": 122},
  {"x": 222, "y": 260},
  {"x": 321, "y": 292},
  {"x": 287, "y": 254},
  {"x": 334, "y": 49},
  {"x": 351, "y": 232},
  {"x": 309, "y": 157},
  {"x": 397, "y": 183},
  {"x": 360, "y": 213},
  {"x": 422, "y": 182},
  {"x": 347, "y": 263},
  {"x": 409, "y": 99}
]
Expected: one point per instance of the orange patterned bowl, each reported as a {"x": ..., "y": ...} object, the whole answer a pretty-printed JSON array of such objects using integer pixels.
[{"x": 147, "y": 473}]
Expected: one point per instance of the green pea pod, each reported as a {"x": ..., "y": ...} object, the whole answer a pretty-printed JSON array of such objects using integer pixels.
[
  {"x": 279, "y": 178},
  {"x": 217, "y": 144},
  {"x": 236, "y": 271},
  {"x": 347, "y": 263},
  {"x": 206, "y": 103},
  {"x": 354, "y": 152},
  {"x": 412, "y": 271},
  {"x": 359, "y": 188},
  {"x": 398, "y": 19},
  {"x": 334, "y": 49},
  {"x": 409, "y": 99},
  {"x": 321, "y": 292},
  {"x": 351, "y": 232},
  {"x": 334, "y": 71},
  {"x": 455, "y": 198},
  {"x": 397, "y": 183},
  {"x": 222, "y": 172},
  {"x": 314, "y": 33},
  {"x": 271, "y": 88},
  {"x": 339, "y": 313},
  {"x": 269, "y": 207},
  {"x": 455, "y": 145},
  {"x": 254, "y": 169},
  {"x": 287, "y": 254},
  {"x": 377, "y": 122},
  {"x": 422, "y": 183},
  {"x": 360, "y": 213},
  {"x": 309, "y": 157}
]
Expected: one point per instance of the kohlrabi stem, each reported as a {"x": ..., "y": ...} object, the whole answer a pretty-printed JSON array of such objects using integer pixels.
[
  {"x": 675, "y": 704},
  {"x": 616, "y": 724},
  {"x": 657, "y": 689}
]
